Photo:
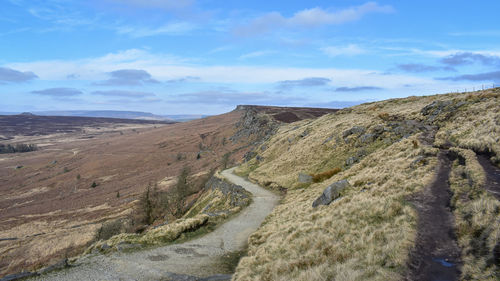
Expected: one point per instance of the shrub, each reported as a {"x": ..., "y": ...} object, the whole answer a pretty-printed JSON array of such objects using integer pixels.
[
  {"x": 93, "y": 185},
  {"x": 20, "y": 147},
  {"x": 325, "y": 175},
  {"x": 109, "y": 229}
]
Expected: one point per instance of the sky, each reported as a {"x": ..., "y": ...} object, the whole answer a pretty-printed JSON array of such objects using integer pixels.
[{"x": 207, "y": 56}]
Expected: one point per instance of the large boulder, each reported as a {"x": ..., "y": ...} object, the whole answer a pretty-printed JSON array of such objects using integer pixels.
[{"x": 331, "y": 193}]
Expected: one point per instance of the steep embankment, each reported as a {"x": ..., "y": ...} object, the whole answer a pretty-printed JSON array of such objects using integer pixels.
[
  {"x": 387, "y": 156},
  {"x": 203, "y": 256}
]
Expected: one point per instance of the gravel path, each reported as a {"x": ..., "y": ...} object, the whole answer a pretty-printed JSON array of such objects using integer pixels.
[{"x": 199, "y": 257}]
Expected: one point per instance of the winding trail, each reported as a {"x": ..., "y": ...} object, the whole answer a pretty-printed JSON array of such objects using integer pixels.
[
  {"x": 436, "y": 256},
  {"x": 192, "y": 260}
]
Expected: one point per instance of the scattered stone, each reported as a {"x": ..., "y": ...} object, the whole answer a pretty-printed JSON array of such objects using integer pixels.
[
  {"x": 331, "y": 193},
  {"x": 351, "y": 160},
  {"x": 263, "y": 147},
  {"x": 328, "y": 139},
  {"x": 259, "y": 158},
  {"x": 305, "y": 178},
  {"x": 249, "y": 155},
  {"x": 105, "y": 246},
  {"x": 420, "y": 160},
  {"x": 354, "y": 130},
  {"x": 367, "y": 138},
  {"x": 304, "y": 134}
]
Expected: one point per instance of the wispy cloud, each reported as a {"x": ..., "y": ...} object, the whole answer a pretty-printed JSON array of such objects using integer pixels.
[
  {"x": 349, "y": 50},
  {"x": 167, "y": 5},
  {"x": 419, "y": 68},
  {"x": 58, "y": 92},
  {"x": 306, "y": 82},
  {"x": 12, "y": 75},
  {"x": 358, "y": 89},
  {"x": 493, "y": 76},
  {"x": 463, "y": 58},
  {"x": 224, "y": 96},
  {"x": 122, "y": 93},
  {"x": 256, "y": 54},
  {"x": 176, "y": 28},
  {"x": 309, "y": 18},
  {"x": 184, "y": 79},
  {"x": 128, "y": 77}
]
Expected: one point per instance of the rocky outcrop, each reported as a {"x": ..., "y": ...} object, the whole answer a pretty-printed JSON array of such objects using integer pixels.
[
  {"x": 238, "y": 196},
  {"x": 441, "y": 110},
  {"x": 331, "y": 193},
  {"x": 254, "y": 125}
]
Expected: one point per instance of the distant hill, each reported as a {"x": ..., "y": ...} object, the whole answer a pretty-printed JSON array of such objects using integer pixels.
[{"x": 113, "y": 114}]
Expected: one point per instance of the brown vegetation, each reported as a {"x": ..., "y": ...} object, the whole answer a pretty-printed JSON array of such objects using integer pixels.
[{"x": 325, "y": 175}]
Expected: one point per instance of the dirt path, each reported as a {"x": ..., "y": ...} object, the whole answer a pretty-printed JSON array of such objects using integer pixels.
[
  {"x": 492, "y": 175},
  {"x": 436, "y": 255},
  {"x": 199, "y": 257}
]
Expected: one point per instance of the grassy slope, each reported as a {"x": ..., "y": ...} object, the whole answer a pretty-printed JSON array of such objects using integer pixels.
[{"x": 368, "y": 233}]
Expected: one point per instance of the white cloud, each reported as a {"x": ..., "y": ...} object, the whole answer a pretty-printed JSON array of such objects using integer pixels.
[
  {"x": 165, "y": 67},
  {"x": 318, "y": 16},
  {"x": 310, "y": 18},
  {"x": 349, "y": 50}
]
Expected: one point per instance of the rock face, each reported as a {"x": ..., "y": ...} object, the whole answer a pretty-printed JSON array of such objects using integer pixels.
[
  {"x": 254, "y": 125},
  {"x": 330, "y": 193}
]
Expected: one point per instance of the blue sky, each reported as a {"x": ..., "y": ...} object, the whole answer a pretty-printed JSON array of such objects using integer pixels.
[{"x": 205, "y": 57}]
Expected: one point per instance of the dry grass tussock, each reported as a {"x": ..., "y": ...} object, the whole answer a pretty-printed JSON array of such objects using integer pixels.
[
  {"x": 475, "y": 125},
  {"x": 477, "y": 216},
  {"x": 367, "y": 233}
]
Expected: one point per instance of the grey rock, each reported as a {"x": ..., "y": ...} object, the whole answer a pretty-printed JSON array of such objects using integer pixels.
[
  {"x": 264, "y": 147},
  {"x": 259, "y": 158},
  {"x": 304, "y": 134},
  {"x": 366, "y": 138},
  {"x": 304, "y": 178},
  {"x": 354, "y": 130},
  {"x": 249, "y": 155},
  {"x": 328, "y": 139},
  {"x": 331, "y": 193},
  {"x": 351, "y": 160},
  {"x": 420, "y": 160},
  {"x": 105, "y": 246}
]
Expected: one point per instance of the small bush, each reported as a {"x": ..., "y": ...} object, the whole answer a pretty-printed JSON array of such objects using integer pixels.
[
  {"x": 78, "y": 177},
  {"x": 109, "y": 229},
  {"x": 93, "y": 185},
  {"x": 20, "y": 147},
  {"x": 325, "y": 175}
]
